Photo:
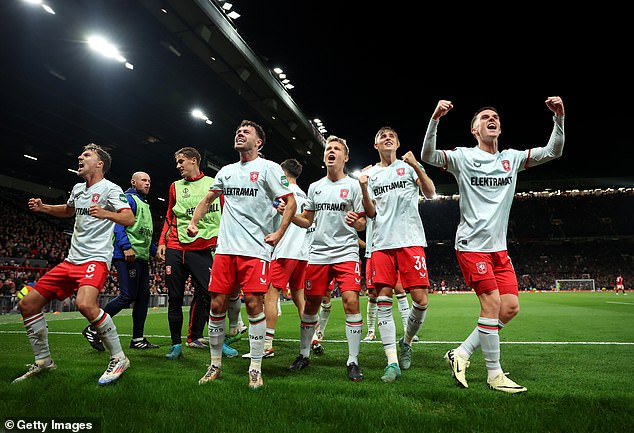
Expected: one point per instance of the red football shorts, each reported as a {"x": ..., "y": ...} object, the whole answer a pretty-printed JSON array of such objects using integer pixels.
[
  {"x": 64, "y": 279},
  {"x": 486, "y": 272}
]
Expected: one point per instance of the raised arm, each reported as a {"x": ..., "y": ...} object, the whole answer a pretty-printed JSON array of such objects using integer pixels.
[
  {"x": 555, "y": 146},
  {"x": 424, "y": 182},
  {"x": 429, "y": 154},
  {"x": 368, "y": 203}
]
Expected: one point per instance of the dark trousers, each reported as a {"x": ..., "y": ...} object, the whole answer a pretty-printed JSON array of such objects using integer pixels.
[
  {"x": 134, "y": 286},
  {"x": 179, "y": 265}
]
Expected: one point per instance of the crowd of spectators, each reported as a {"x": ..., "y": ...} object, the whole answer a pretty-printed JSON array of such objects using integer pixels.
[{"x": 551, "y": 236}]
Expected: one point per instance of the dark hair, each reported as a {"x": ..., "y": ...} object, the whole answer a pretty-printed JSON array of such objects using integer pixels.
[
  {"x": 475, "y": 116},
  {"x": 258, "y": 130},
  {"x": 292, "y": 167},
  {"x": 190, "y": 153},
  {"x": 102, "y": 154}
]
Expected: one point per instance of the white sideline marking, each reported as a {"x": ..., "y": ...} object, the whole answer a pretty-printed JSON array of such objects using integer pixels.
[
  {"x": 620, "y": 303},
  {"x": 293, "y": 340}
]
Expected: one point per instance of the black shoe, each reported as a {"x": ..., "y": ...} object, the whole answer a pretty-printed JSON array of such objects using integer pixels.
[
  {"x": 354, "y": 373},
  {"x": 142, "y": 344},
  {"x": 300, "y": 363},
  {"x": 90, "y": 333}
]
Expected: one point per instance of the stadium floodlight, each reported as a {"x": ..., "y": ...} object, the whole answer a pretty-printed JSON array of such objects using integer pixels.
[
  {"x": 107, "y": 49},
  {"x": 46, "y": 7},
  {"x": 198, "y": 114},
  {"x": 30, "y": 157},
  {"x": 233, "y": 15}
]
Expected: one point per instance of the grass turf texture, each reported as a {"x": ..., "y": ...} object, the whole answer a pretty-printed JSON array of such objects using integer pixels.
[{"x": 573, "y": 351}]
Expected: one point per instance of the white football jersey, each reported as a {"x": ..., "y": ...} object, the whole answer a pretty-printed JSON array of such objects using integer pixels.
[
  {"x": 397, "y": 223},
  {"x": 92, "y": 237},
  {"x": 334, "y": 241},
  {"x": 293, "y": 245},
  {"x": 249, "y": 190}
]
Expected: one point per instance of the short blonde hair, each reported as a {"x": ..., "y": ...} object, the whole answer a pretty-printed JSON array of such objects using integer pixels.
[
  {"x": 338, "y": 140},
  {"x": 386, "y": 129}
]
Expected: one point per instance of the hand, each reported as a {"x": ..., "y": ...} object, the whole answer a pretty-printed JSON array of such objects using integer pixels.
[
  {"x": 556, "y": 105},
  {"x": 363, "y": 180},
  {"x": 280, "y": 207},
  {"x": 160, "y": 253},
  {"x": 35, "y": 204},
  {"x": 129, "y": 255},
  {"x": 192, "y": 230},
  {"x": 351, "y": 217},
  {"x": 272, "y": 238},
  {"x": 97, "y": 211},
  {"x": 410, "y": 159},
  {"x": 442, "y": 108}
]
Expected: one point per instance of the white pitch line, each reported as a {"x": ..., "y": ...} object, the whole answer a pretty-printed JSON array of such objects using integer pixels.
[{"x": 292, "y": 340}]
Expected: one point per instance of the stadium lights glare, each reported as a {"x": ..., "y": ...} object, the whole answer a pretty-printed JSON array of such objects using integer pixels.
[
  {"x": 72, "y": 171},
  {"x": 319, "y": 125},
  {"x": 106, "y": 49},
  {"x": 281, "y": 76},
  {"x": 46, "y": 7},
  {"x": 30, "y": 157},
  {"x": 160, "y": 199},
  {"x": 198, "y": 114}
]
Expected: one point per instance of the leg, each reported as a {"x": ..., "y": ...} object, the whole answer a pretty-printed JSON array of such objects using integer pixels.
[
  {"x": 199, "y": 265},
  {"x": 354, "y": 329},
  {"x": 88, "y": 305},
  {"x": 36, "y": 329},
  {"x": 175, "y": 282},
  {"x": 140, "y": 308}
]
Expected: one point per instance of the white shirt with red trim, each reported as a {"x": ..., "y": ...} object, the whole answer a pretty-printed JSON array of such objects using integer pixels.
[
  {"x": 92, "y": 237},
  {"x": 293, "y": 245},
  {"x": 397, "y": 223},
  {"x": 249, "y": 190},
  {"x": 334, "y": 241}
]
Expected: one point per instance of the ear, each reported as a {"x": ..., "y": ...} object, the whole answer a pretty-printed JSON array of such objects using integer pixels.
[{"x": 376, "y": 146}]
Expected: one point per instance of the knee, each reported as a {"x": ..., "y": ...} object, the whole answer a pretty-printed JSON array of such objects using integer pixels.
[
  {"x": 508, "y": 312},
  {"x": 88, "y": 309},
  {"x": 27, "y": 309}
]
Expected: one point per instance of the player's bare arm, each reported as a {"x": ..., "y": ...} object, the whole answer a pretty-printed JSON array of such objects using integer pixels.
[
  {"x": 125, "y": 217},
  {"x": 56, "y": 210},
  {"x": 355, "y": 220},
  {"x": 289, "y": 210},
  {"x": 201, "y": 209},
  {"x": 368, "y": 203},
  {"x": 425, "y": 184},
  {"x": 305, "y": 219}
]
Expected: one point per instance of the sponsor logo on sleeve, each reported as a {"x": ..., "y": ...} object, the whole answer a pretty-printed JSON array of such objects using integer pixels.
[{"x": 284, "y": 180}]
